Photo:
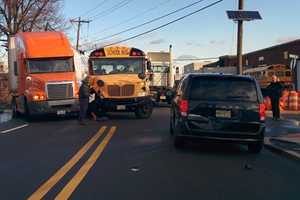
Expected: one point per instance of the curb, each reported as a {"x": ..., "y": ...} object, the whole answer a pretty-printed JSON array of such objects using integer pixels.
[
  {"x": 291, "y": 154},
  {"x": 294, "y": 122}
]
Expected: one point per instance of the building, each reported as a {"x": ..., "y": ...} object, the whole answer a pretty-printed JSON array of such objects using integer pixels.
[
  {"x": 224, "y": 61},
  {"x": 278, "y": 54},
  {"x": 3, "y": 67},
  {"x": 192, "y": 67},
  {"x": 4, "y": 91},
  {"x": 223, "y": 70}
]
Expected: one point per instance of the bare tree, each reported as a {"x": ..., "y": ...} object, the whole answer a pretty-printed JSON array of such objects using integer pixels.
[{"x": 30, "y": 15}]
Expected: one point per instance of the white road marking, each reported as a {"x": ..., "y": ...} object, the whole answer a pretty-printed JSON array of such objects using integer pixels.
[{"x": 13, "y": 129}]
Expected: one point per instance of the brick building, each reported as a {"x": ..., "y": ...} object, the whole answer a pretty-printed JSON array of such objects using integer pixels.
[
  {"x": 278, "y": 54},
  {"x": 4, "y": 92}
]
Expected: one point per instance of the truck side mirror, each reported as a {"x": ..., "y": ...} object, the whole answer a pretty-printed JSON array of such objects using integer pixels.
[{"x": 149, "y": 65}]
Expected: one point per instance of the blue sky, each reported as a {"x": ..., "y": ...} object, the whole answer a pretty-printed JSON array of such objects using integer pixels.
[{"x": 206, "y": 34}]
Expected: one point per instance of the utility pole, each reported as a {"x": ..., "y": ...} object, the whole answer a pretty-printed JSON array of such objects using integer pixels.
[
  {"x": 240, "y": 16},
  {"x": 240, "y": 41},
  {"x": 171, "y": 76},
  {"x": 79, "y": 22}
]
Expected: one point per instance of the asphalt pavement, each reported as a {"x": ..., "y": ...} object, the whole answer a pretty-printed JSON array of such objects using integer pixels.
[{"x": 125, "y": 158}]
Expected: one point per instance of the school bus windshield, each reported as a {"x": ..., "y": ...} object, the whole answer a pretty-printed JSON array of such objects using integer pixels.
[{"x": 108, "y": 66}]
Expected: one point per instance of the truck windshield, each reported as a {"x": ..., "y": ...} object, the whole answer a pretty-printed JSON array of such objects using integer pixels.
[
  {"x": 117, "y": 66},
  {"x": 50, "y": 65}
]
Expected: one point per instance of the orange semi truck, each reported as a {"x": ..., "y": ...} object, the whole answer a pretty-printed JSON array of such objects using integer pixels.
[{"x": 42, "y": 74}]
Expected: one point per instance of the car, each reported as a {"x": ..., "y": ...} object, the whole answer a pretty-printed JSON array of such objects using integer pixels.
[{"x": 219, "y": 107}]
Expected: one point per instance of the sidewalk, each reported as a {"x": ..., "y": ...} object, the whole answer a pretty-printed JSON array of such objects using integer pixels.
[{"x": 286, "y": 142}]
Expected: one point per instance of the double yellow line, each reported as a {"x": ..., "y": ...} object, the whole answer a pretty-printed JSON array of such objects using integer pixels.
[{"x": 70, "y": 187}]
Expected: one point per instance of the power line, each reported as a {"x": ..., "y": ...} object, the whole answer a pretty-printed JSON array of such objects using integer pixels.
[
  {"x": 134, "y": 17},
  {"x": 195, "y": 59},
  {"x": 79, "y": 22},
  {"x": 164, "y": 25},
  {"x": 94, "y": 8},
  {"x": 151, "y": 21},
  {"x": 112, "y": 9}
]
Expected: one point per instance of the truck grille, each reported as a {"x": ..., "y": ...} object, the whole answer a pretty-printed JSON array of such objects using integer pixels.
[
  {"x": 114, "y": 90},
  {"x": 117, "y": 91},
  {"x": 60, "y": 90}
]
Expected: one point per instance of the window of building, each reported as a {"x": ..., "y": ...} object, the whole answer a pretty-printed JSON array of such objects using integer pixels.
[{"x": 286, "y": 55}]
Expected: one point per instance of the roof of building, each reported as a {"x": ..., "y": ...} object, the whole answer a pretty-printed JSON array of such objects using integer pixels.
[{"x": 276, "y": 46}]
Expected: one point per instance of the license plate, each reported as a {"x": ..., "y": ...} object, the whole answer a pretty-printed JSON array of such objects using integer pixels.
[
  {"x": 223, "y": 114},
  {"x": 163, "y": 97},
  {"x": 121, "y": 107},
  {"x": 61, "y": 112}
]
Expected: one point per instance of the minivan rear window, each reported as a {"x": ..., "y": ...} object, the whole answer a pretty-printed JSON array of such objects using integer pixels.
[{"x": 223, "y": 89}]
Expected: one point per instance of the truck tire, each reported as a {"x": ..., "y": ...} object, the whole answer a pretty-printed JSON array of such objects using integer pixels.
[{"x": 144, "y": 111}]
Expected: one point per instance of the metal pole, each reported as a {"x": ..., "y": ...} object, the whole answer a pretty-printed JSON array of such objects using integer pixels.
[
  {"x": 169, "y": 82},
  {"x": 240, "y": 41},
  {"x": 78, "y": 33}
]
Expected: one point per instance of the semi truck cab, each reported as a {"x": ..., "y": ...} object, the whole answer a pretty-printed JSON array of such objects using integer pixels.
[{"x": 42, "y": 74}]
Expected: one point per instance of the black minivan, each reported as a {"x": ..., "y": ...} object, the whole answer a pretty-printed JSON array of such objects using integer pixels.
[{"x": 219, "y": 107}]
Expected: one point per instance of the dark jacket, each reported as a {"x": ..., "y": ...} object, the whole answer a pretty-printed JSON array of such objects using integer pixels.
[
  {"x": 275, "y": 90},
  {"x": 84, "y": 91}
]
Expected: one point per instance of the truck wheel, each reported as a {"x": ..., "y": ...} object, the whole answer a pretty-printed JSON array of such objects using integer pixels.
[
  {"x": 144, "y": 111},
  {"x": 178, "y": 142},
  {"x": 15, "y": 112}
]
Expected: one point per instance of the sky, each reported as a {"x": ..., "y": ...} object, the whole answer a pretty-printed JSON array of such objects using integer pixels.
[{"x": 206, "y": 34}]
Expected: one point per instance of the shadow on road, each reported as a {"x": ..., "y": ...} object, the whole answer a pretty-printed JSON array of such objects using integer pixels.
[{"x": 216, "y": 148}]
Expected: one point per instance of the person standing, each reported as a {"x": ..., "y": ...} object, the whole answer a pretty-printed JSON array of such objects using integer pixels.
[
  {"x": 274, "y": 92},
  {"x": 84, "y": 94}
]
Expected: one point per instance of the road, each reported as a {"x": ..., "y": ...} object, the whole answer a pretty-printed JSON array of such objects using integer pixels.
[{"x": 126, "y": 158}]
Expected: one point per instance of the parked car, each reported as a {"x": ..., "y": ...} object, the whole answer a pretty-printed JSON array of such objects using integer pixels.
[{"x": 219, "y": 107}]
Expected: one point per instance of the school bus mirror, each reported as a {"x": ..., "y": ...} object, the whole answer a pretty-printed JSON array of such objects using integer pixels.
[{"x": 149, "y": 65}]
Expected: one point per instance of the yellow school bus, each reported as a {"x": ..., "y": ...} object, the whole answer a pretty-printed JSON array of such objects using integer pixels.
[{"x": 118, "y": 77}]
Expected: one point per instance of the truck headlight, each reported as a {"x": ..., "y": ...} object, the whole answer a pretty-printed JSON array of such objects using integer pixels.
[
  {"x": 142, "y": 94},
  {"x": 38, "y": 97}
]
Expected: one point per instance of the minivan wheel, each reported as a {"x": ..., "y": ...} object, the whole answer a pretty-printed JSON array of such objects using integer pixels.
[
  {"x": 178, "y": 142},
  {"x": 171, "y": 129},
  {"x": 255, "y": 147}
]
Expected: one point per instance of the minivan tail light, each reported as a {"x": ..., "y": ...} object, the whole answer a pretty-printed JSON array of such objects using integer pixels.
[
  {"x": 262, "y": 112},
  {"x": 183, "y": 107}
]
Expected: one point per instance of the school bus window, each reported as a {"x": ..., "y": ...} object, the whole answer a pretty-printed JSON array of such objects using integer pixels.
[
  {"x": 271, "y": 73},
  {"x": 280, "y": 73},
  {"x": 288, "y": 73}
]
